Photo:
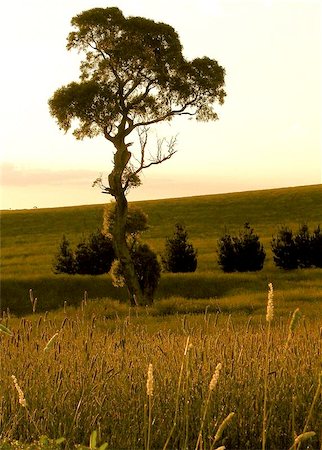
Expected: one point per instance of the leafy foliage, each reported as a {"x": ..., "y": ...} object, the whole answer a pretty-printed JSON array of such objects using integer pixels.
[
  {"x": 301, "y": 250},
  {"x": 136, "y": 222},
  {"x": 316, "y": 247},
  {"x": 243, "y": 253},
  {"x": 133, "y": 69},
  {"x": 65, "y": 260},
  {"x": 147, "y": 269},
  {"x": 284, "y": 249},
  {"x": 146, "y": 265},
  {"x": 94, "y": 256},
  {"x": 179, "y": 254}
]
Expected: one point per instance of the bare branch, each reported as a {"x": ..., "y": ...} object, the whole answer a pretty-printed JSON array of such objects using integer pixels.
[
  {"x": 99, "y": 182},
  {"x": 161, "y": 156},
  {"x": 132, "y": 175}
]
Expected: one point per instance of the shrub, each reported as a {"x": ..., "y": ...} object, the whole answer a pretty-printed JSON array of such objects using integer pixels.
[
  {"x": 147, "y": 269},
  {"x": 301, "y": 250},
  {"x": 316, "y": 247},
  {"x": 303, "y": 247},
  {"x": 179, "y": 255},
  {"x": 64, "y": 261},
  {"x": 243, "y": 253},
  {"x": 284, "y": 249},
  {"x": 136, "y": 221},
  {"x": 94, "y": 255}
]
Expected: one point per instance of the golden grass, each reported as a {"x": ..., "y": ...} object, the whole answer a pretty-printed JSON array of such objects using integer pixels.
[{"x": 93, "y": 376}]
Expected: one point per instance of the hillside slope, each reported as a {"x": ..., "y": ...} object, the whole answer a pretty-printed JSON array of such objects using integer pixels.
[{"x": 30, "y": 238}]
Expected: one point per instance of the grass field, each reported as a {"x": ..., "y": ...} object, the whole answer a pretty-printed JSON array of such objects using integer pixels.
[
  {"x": 30, "y": 238},
  {"x": 93, "y": 376},
  {"x": 82, "y": 364}
]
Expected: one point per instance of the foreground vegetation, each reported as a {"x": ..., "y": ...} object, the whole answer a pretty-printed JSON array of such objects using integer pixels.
[{"x": 85, "y": 369}]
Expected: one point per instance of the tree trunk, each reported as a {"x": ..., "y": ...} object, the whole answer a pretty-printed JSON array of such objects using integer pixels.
[{"x": 121, "y": 159}]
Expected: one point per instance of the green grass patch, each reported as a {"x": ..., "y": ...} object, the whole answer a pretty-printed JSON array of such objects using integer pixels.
[{"x": 30, "y": 239}]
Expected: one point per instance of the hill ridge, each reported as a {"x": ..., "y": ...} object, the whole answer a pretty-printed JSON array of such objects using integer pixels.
[{"x": 220, "y": 194}]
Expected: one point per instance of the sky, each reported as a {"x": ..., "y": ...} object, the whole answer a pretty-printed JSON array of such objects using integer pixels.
[{"x": 269, "y": 130}]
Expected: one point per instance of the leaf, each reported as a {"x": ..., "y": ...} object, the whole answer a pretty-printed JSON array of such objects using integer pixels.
[
  {"x": 93, "y": 439},
  {"x": 50, "y": 342},
  {"x": 5, "y": 330},
  {"x": 103, "y": 446}
]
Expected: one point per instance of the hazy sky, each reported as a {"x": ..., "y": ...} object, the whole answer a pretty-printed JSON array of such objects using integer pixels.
[{"x": 268, "y": 134}]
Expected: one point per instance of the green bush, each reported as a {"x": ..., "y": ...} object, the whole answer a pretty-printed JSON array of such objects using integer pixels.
[
  {"x": 316, "y": 247},
  {"x": 243, "y": 253},
  {"x": 303, "y": 247},
  {"x": 179, "y": 255},
  {"x": 297, "y": 251},
  {"x": 136, "y": 221},
  {"x": 64, "y": 261},
  {"x": 93, "y": 256},
  {"x": 147, "y": 268}
]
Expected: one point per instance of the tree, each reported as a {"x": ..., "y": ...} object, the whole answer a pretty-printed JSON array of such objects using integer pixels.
[
  {"x": 179, "y": 254},
  {"x": 301, "y": 250},
  {"x": 133, "y": 75},
  {"x": 243, "y": 253},
  {"x": 316, "y": 247},
  {"x": 303, "y": 247},
  {"x": 284, "y": 249},
  {"x": 94, "y": 255},
  {"x": 65, "y": 260}
]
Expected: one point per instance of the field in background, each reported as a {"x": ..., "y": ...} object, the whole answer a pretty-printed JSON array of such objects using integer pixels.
[{"x": 30, "y": 239}]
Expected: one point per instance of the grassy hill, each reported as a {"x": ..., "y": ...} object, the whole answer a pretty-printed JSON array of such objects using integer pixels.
[{"x": 30, "y": 238}]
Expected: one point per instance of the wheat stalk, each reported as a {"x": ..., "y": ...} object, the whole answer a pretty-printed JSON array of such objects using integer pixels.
[
  {"x": 149, "y": 391},
  {"x": 269, "y": 319}
]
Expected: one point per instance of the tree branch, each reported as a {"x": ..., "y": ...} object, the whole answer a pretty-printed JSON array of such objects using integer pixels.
[
  {"x": 107, "y": 133},
  {"x": 158, "y": 159},
  {"x": 176, "y": 112},
  {"x": 105, "y": 189}
]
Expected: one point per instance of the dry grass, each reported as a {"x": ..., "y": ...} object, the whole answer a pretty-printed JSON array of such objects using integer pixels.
[{"x": 93, "y": 375}]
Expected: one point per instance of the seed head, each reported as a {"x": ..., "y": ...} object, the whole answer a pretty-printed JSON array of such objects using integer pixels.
[
  {"x": 215, "y": 377},
  {"x": 50, "y": 343},
  {"x": 150, "y": 381},
  {"x": 270, "y": 303},
  {"x": 223, "y": 425},
  {"x": 304, "y": 437},
  {"x": 295, "y": 319},
  {"x": 21, "y": 395}
]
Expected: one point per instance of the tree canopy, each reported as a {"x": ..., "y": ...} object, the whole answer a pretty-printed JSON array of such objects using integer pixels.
[{"x": 133, "y": 74}]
